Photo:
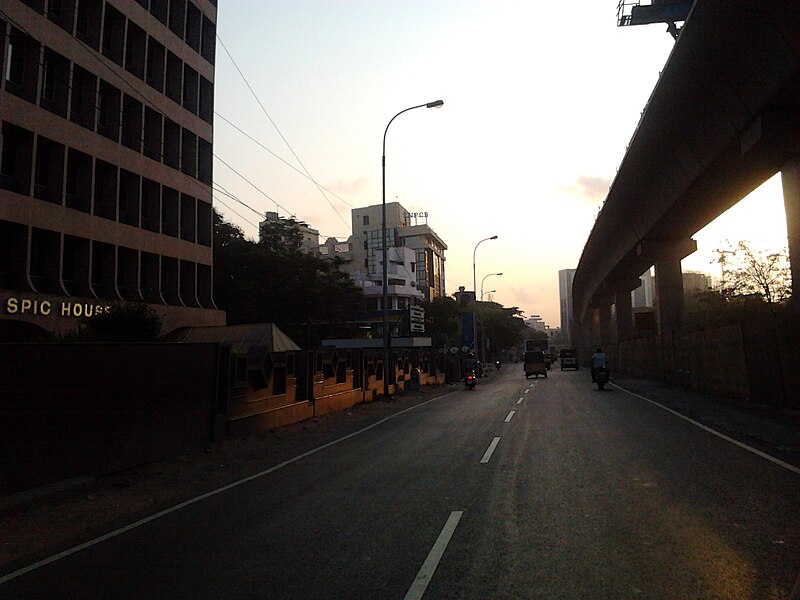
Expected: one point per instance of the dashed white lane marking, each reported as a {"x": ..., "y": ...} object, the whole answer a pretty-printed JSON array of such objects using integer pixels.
[
  {"x": 425, "y": 574},
  {"x": 528, "y": 390},
  {"x": 158, "y": 515},
  {"x": 519, "y": 401},
  {"x": 490, "y": 450},
  {"x": 510, "y": 416},
  {"x": 742, "y": 445}
]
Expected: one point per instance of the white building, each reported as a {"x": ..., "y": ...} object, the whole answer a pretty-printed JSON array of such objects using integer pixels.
[
  {"x": 416, "y": 253},
  {"x": 644, "y": 296}
]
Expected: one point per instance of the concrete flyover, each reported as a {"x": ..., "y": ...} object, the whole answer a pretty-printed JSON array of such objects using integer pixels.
[{"x": 723, "y": 118}]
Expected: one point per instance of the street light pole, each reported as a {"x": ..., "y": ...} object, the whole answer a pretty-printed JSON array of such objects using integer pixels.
[
  {"x": 475, "y": 291},
  {"x": 385, "y": 301},
  {"x": 484, "y": 279}
]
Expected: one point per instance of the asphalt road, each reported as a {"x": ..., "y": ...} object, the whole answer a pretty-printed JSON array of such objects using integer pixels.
[{"x": 521, "y": 488}]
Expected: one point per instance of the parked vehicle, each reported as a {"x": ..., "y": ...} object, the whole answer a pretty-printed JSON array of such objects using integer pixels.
[
  {"x": 601, "y": 377},
  {"x": 535, "y": 364},
  {"x": 470, "y": 380},
  {"x": 568, "y": 358}
]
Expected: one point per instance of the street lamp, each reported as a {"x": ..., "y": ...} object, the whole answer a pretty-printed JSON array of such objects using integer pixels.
[
  {"x": 475, "y": 291},
  {"x": 386, "y": 333},
  {"x": 484, "y": 279},
  {"x": 489, "y": 292}
]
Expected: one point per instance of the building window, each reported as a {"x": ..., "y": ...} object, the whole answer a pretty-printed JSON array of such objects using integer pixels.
[
  {"x": 87, "y": 26},
  {"x": 174, "y": 77},
  {"x": 194, "y": 26},
  {"x": 155, "y": 65},
  {"x": 22, "y": 65},
  {"x": 204, "y": 161},
  {"x": 172, "y": 144},
  {"x": 189, "y": 153},
  {"x": 84, "y": 97},
  {"x": 365, "y": 220},
  {"x": 132, "y": 123},
  {"x": 129, "y": 198},
  {"x": 177, "y": 17},
  {"x": 113, "y": 34},
  {"x": 55, "y": 83},
  {"x": 208, "y": 41},
  {"x": 160, "y": 10},
  {"x": 188, "y": 218},
  {"x": 49, "y": 182},
  {"x": 152, "y": 133},
  {"x": 62, "y": 13},
  {"x": 190, "y": 89},
  {"x": 105, "y": 190},
  {"x": 16, "y": 159},
  {"x": 108, "y": 121},
  {"x": 79, "y": 181},
  {"x": 206, "y": 100},
  {"x": 169, "y": 211},
  {"x": 135, "y": 50}
]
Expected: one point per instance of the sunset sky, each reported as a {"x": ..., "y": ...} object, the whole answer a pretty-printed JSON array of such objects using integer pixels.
[{"x": 540, "y": 101}]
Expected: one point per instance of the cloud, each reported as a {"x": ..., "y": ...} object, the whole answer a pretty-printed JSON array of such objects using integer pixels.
[
  {"x": 354, "y": 186},
  {"x": 589, "y": 188}
]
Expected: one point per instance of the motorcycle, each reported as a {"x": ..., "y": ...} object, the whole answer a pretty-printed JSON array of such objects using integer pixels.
[
  {"x": 601, "y": 377},
  {"x": 470, "y": 380},
  {"x": 497, "y": 364}
]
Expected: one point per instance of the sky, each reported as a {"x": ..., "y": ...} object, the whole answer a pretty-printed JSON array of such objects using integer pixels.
[{"x": 540, "y": 102}]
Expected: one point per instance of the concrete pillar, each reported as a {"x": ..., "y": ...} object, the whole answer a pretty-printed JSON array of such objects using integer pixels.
[
  {"x": 669, "y": 294},
  {"x": 624, "y": 310},
  {"x": 606, "y": 326},
  {"x": 790, "y": 178}
]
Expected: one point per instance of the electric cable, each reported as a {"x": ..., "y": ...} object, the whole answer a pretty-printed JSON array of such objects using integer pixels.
[{"x": 279, "y": 131}]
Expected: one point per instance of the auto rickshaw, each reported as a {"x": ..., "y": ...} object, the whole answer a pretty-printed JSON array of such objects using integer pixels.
[{"x": 535, "y": 364}]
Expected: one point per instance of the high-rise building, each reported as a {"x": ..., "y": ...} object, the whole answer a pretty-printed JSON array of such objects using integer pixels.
[
  {"x": 106, "y": 109},
  {"x": 565, "y": 278}
]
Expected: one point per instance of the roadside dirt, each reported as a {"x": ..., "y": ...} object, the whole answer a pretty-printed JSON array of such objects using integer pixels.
[{"x": 42, "y": 526}]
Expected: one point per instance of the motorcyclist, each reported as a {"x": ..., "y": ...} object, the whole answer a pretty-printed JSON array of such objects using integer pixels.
[
  {"x": 599, "y": 361},
  {"x": 470, "y": 363}
]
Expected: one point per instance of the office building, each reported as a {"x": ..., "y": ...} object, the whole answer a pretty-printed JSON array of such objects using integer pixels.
[
  {"x": 423, "y": 270},
  {"x": 106, "y": 108}
]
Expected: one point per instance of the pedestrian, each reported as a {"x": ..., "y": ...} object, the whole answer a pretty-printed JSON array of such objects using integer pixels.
[{"x": 599, "y": 361}]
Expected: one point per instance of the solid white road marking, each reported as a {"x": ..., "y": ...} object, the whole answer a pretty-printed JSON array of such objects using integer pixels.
[
  {"x": 158, "y": 515},
  {"x": 425, "y": 574},
  {"x": 489, "y": 451},
  {"x": 742, "y": 445},
  {"x": 510, "y": 416}
]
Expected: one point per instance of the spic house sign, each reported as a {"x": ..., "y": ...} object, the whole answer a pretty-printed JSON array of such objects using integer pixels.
[{"x": 21, "y": 306}]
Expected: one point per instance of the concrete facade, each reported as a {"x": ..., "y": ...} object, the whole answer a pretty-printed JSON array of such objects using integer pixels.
[{"x": 106, "y": 109}]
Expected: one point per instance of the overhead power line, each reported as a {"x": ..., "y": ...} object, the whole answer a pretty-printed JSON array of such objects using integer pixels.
[
  {"x": 284, "y": 161},
  {"x": 285, "y": 141}
]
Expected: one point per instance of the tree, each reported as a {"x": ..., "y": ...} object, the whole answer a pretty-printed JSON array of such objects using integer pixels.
[
  {"x": 747, "y": 271},
  {"x": 442, "y": 317},
  {"x": 501, "y": 325},
  {"x": 277, "y": 283},
  {"x": 122, "y": 323},
  {"x": 281, "y": 236}
]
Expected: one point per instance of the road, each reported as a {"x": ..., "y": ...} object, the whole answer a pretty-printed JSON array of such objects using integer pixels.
[{"x": 521, "y": 488}]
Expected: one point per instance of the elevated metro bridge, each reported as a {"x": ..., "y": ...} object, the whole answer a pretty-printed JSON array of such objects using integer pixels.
[{"x": 723, "y": 118}]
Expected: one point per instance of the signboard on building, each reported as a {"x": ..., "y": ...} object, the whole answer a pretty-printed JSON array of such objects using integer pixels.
[{"x": 416, "y": 317}]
